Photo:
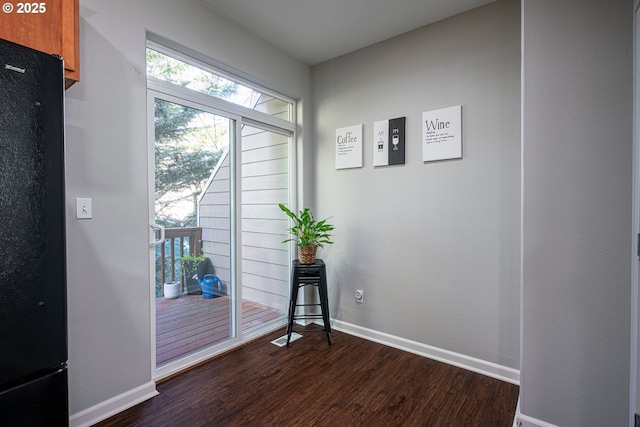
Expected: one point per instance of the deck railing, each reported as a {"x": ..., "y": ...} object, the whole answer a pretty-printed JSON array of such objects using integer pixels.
[{"x": 178, "y": 243}]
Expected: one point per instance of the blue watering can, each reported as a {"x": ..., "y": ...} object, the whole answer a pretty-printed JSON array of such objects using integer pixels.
[{"x": 210, "y": 284}]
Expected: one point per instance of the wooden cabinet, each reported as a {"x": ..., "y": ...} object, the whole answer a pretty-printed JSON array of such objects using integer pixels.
[{"x": 51, "y": 26}]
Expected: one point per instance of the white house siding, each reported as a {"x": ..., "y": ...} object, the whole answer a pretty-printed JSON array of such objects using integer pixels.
[
  {"x": 214, "y": 218},
  {"x": 264, "y": 183},
  {"x": 272, "y": 106}
]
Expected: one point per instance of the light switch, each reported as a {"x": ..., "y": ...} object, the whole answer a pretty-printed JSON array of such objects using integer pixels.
[{"x": 83, "y": 208}]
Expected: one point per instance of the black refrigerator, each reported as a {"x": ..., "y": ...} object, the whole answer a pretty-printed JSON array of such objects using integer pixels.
[{"x": 33, "y": 311}]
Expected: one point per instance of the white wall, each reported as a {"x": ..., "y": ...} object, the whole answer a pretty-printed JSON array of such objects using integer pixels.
[
  {"x": 577, "y": 153},
  {"x": 434, "y": 246},
  {"x": 108, "y": 256}
]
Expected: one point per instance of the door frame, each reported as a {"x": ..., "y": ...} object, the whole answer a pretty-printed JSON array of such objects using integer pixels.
[{"x": 634, "y": 380}]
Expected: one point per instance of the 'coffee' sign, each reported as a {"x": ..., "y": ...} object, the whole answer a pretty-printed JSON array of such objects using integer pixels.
[{"x": 349, "y": 147}]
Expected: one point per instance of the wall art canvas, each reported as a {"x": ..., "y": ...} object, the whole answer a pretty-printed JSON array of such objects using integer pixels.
[
  {"x": 381, "y": 143},
  {"x": 396, "y": 147},
  {"x": 349, "y": 147},
  {"x": 442, "y": 134},
  {"x": 388, "y": 142}
]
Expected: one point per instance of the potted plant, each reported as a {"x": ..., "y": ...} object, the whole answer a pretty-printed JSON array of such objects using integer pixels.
[
  {"x": 308, "y": 233},
  {"x": 189, "y": 265}
]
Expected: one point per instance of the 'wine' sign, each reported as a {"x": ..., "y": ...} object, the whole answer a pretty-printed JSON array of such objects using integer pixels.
[{"x": 442, "y": 134}]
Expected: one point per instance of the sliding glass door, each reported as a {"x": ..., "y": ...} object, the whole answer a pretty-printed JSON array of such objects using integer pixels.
[{"x": 220, "y": 156}]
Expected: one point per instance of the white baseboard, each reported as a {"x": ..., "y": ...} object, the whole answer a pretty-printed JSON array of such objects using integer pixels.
[
  {"x": 525, "y": 421},
  {"x": 483, "y": 367},
  {"x": 116, "y": 404}
]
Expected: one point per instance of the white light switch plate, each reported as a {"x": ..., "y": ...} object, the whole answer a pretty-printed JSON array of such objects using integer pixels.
[{"x": 83, "y": 208}]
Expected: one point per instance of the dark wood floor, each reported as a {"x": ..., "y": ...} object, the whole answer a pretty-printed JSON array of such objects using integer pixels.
[
  {"x": 190, "y": 323},
  {"x": 354, "y": 382}
]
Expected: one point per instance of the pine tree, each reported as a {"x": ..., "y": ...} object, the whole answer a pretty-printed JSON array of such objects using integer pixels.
[{"x": 188, "y": 142}]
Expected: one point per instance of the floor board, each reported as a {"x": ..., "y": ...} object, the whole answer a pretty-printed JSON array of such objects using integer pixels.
[{"x": 353, "y": 382}]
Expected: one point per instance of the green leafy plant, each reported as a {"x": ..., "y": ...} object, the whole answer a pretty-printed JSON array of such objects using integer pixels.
[
  {"x": 189, "y": 267},
  {"x": 307, "y": 231},
  {"x": 194, "y": 259}
]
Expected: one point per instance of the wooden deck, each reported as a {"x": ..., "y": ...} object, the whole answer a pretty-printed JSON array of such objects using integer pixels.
[{"x": 190, "y": 323}]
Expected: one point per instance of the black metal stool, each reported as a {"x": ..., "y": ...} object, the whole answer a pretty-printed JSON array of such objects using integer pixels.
[{"x": 303, "y": 275}]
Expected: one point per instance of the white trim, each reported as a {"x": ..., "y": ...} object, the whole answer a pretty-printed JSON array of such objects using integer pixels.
[
  {"x": 469, "y": 363},
  {"x": 526, "y": 421},
  {"x": 151, "y": 191},
  {"x": 635, "y": 229},
  {"x": 116, "y": 404},
  {"x": 185, "y": 94},
  {"x": 522, "y": 188},
  {"x": 235, "y": 205}
]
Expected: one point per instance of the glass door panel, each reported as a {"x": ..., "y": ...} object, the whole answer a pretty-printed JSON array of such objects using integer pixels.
[
  {"x": 194, "y": 291},
  {"x": 265, "y": 259}
]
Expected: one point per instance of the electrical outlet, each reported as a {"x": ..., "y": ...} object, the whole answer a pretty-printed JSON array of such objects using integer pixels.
[{"x": 359, "y": 296}]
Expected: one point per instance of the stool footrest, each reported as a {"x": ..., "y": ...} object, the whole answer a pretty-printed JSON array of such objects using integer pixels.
[{"x": 308, "y": 330}]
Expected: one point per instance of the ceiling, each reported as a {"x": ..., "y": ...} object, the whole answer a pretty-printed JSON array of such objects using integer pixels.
[{"x": 314, "y": 31}]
